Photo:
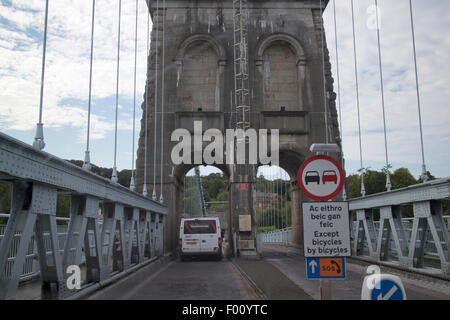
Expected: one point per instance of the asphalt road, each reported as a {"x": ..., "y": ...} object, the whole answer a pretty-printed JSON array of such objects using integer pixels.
[{"x": 200, "y": 279}]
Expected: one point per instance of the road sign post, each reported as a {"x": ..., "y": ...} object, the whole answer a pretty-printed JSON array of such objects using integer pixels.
[{"x": 326, "y": 225}]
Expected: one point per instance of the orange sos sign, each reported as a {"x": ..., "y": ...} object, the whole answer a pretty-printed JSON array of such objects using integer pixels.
[{"x": 322, "y": 268}]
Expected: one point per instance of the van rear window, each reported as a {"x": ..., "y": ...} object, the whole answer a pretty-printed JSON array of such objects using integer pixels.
[{"x": 199, "y": 226}]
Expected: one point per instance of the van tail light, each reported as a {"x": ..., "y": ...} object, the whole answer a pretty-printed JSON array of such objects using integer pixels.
[
  {"x": 219, "y": 242},
  {"x": 180, "y": 242}
]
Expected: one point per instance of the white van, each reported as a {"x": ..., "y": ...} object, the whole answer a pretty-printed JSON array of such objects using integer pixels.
[{"x": 200, "y": 236}]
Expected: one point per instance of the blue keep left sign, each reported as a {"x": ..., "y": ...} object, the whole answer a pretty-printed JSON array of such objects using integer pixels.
[
  {"x": 383, "y": 287},
  {"x": 387, "y": 290}
]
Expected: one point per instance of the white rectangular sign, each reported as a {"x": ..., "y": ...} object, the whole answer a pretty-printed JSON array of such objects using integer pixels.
[{"x": 326, "y": 229}]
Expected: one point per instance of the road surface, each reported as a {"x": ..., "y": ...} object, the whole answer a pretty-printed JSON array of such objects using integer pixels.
[{"x": 200, "y": 279}]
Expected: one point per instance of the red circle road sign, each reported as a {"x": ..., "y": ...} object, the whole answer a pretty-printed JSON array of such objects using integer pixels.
[{"x": 321, "y": 178}]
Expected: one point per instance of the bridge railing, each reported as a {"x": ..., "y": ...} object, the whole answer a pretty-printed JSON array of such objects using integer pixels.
[
  {"x": 31, "y": 265},
  {"x": 431, "y": 254},
  {"x": 127, "y": 234},
  {"x": 417, "y": 243},
  {"x": 379, "y": 233},
  {"x": 282, "y": 236}
]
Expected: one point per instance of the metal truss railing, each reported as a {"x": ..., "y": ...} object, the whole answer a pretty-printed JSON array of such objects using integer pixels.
[
  {"x": 128, "y": 233},
  {"x": 419, "y": 244},
  {"x": 430, "y": 252},
  {"x": 416, "y": 243}
]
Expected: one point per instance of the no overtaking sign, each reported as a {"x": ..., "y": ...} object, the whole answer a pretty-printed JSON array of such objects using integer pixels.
[{"x": 321, "y": 178}]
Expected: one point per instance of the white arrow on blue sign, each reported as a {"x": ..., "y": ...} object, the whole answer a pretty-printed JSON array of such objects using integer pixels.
[
  {"x": 388, "y": 290},
  {"x": 313, "y": 268},
  {"x": 383, "y": 287}
]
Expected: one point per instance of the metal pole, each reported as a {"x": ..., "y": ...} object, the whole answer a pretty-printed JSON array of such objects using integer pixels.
[
  {"x": 114, "y": 177},
  {"x": 144, "y": 188},
  {"x": 344, "y": 194},
  {"x": 155, "y": 28},
  {"x": 132, "y": 186},
  {"x": 388, "y": 178},
  {"x": 87, "y": 158},
  {"x": 424, "y": 168},
  {"x": 363, "y": 191},
  {"x": 39, "y": 137},
  {"x": 323, "y": 74},
  {"x": 161, "y": 198}
]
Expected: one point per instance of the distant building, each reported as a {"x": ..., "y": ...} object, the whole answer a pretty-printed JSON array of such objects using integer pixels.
[{"x": 265, "y": 199}]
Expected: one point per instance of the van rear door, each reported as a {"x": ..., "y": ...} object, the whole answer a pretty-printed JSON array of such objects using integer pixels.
[
  {"x": 191, "y": 239},
  {"x": 210, "y": 237}
]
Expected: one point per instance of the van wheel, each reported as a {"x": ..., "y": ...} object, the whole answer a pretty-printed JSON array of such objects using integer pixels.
[{"x": 182, "y": 258}]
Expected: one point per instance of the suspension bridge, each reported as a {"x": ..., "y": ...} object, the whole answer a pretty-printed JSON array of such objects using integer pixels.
[{"x": 231, "y": 65}]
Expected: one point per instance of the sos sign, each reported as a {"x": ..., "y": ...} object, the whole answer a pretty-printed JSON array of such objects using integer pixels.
[{"x": 321, "y": 178}]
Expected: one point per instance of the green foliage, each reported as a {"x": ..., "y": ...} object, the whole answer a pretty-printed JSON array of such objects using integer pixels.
[
  {"x": 279, "y": 186},
  {"x": 353, "y": 186},
  {"x": 375, "y": 182},
  {"x": 277, "y": 216},
  {"x": 63, "y": 206},
  {"x": 266, "y": 229},
  {"x": 401, "y": 178},
  {"x": 123, "y": 176},
  {"x": 215, "y": 188},
  {"x": 5, "y": 197},
  {"x": 191, "y": 197},
  {"x": 104, "y": 172},
  {"x": 446, "y": 207}
]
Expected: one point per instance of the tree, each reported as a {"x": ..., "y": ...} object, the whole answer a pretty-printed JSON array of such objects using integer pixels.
[
  {"x": 353, "y": 186},
  {"x": 375, "y": 182},
  {"x": 402, "y": 178}
]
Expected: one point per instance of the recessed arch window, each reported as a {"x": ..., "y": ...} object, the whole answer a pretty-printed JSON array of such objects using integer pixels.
[
  {"x": 199, "y": 78},
  {"x": 280, "y": 77}
]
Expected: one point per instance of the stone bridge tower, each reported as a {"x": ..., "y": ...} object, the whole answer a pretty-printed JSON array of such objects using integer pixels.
[{"x": 285, "y": 82}]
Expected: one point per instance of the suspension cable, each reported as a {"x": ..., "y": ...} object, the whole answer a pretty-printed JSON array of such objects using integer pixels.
[
  {"x": 144, "y": 188},
  {"x": 424, "y": 168},
  {"x": 344, "y": 194},
  {"x": 363, "y": 191},
  {"x": 87, "y": 158},
  {"x": 161, "y": 198},
  {"x": 132, "y": 186},
  {"x": 156, "y": 98},
  {"x": 39, "y": 137},
  {"x": 114, "y": 177},
  {"x": 386, "y": 169},
  {"x": 323, "y": 73}
]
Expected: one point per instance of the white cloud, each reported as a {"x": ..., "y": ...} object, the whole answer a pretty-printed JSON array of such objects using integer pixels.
[
  {"x": 67, "y": 63},
  {"x": 67, "y": 72},
  {"x": 399, "y": 82}
]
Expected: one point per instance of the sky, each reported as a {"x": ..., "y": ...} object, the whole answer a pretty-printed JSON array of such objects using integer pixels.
[{"x": 67, "y": 75}]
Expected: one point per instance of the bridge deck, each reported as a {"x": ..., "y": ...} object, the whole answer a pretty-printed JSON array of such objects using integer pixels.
[{"x": 280, "y": 275}]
